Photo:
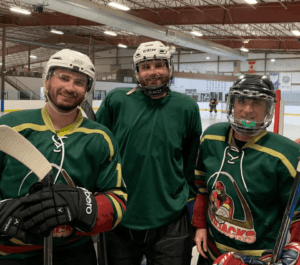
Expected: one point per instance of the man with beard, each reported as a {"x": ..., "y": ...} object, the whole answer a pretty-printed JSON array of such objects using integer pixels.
[
  {"x": 158, "y": 132},
  {"x": 88, "y": 195}
]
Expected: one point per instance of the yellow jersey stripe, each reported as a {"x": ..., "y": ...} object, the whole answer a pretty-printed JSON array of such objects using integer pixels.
[
  {"x": 118, "y": 192},
  {"x": 213, "y": 137},
  {"x": 274, "y": 153},
  {"x": 104, "y": 134},
  {"x": 119, "y": 179},
  {"x": 246, "y": 252},
  {"x": 118, "y": 208},
  {"x": 35, "y": 127},
  {"x": 199, "y": 173}
]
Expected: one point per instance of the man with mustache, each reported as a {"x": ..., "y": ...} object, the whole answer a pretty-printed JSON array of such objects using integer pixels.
[
  {"x": 88, "y": 196},
  {"x": 158, "y": 131}
]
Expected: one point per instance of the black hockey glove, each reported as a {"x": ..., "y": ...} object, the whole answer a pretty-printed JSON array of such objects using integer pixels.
[
  {"x": 11, "y": 225},
  {"x": 59, "y": 205}
]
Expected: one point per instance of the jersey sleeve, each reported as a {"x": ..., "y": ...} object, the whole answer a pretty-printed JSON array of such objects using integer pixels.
[
  {"x": 201, "y": 204},
  {"x": 189, "y": 151},
  {"x": 103, "y": 113},
  {"x": 2, "y": 155},
  {"x": 110, "y": 191},
  {"x": 286, "y": 175}
]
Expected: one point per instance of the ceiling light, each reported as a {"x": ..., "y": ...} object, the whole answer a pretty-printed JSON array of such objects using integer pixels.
[
  {"x": 122, "y": 45},
  {"x": 207, "y": 58},
  {"x": 296, "y": 32},
  {"x": 197, "y": 33},
  {"x": 19, "y": 10},
  {"x": 273, "y": 60},
  {"x": 32, "y": 56},
  {"x": 119, "y": 6},
  {"x": 251, "y": 2},
  {"x": 110, "y": 33},
  {"x": 56, "y": 31},
  {"x": 244, "y": 49}
]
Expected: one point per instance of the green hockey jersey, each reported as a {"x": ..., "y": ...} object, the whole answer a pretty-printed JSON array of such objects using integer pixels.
[
  {"x": 158, "y": 141},
  {"x": 88, "y": 153},
  {"x": 248, "y": 188}
]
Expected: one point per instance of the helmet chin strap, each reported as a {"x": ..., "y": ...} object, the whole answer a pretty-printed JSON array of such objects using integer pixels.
[{"x": 155, "y": 91}]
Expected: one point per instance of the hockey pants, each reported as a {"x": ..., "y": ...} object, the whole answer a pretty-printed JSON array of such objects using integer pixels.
[{"x": 165, "y": 245}]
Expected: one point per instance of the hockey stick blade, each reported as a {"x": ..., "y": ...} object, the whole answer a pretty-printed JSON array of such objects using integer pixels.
[
  {"x": 18, "y": 147},
  {"x": 287, "y": 218}
]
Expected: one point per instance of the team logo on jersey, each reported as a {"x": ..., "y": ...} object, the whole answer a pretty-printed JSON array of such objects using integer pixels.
[
  {"x": 221, "y": 214},
  {"x": 62, "y": 231}
]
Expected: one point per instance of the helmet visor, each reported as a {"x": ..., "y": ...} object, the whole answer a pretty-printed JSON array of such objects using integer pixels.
[{"x": 249, "y": 114}]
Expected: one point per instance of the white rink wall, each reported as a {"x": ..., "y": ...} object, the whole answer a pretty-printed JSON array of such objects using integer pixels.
[
  {"x": 14, "y": 105},
  {"x": 291, "y": 121}
]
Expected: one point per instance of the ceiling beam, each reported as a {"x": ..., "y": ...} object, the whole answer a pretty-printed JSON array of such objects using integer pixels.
[
  {"x": 235, "y": 14},
  {"x": 69, "y": 39},
  {"x": 263, "y": 45},
  {"x": 267, "y": 42},
  {"x": 45, "y": 19}
]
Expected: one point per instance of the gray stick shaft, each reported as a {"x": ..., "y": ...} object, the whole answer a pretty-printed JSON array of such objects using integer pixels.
[
  {"x": 101, "y": 249},
  {"x": 48, "y": 247},
  {"x": 287, "y": 218}
]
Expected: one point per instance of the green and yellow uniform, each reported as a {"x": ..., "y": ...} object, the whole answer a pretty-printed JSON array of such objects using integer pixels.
[
  {"x": 85, "y": 151},
  {"x": 248, "y": 188}
]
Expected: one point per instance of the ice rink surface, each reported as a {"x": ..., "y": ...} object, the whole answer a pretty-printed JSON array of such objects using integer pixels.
[{"x": 291, "y": 127}]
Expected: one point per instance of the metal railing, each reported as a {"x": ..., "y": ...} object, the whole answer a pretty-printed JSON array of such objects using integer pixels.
[
  {"x": 25, "y": 92},
  {"x": 37, "y": 73}
]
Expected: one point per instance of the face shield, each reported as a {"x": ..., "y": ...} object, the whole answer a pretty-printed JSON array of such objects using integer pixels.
[{"x": 249, "y": 112}]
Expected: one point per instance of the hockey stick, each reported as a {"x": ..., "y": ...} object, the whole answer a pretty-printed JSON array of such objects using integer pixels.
[
  {"x": 18, "y": 147},
  {"x": 287, "y": 218},
  {"x": 88, "y": 110},
  {"x": 101, "y": 242}
]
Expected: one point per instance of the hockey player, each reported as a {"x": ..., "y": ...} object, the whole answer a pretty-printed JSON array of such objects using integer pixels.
[
  {"x": 213, "y": 105},
  {"x": 252, "y": 172},
  {"x": 157, "y": 130},
  {"x": 87, "y": 170}
]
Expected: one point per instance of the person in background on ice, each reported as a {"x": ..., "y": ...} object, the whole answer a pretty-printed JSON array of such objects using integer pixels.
[
  {"x": 158, "y": 131},
  {"x": 213, "y": 105},
  {"x": 86, "y": 163},
  {"x": 245, "y": 175}
]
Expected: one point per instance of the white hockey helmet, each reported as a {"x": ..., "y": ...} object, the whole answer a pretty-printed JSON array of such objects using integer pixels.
[
  {"x": 152, "y": 50},
  {"x": 74, "y": 61}
]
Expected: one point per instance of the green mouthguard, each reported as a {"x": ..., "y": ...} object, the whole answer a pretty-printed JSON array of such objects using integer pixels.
[{"x": 252, "y": 124}]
